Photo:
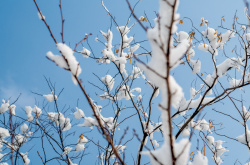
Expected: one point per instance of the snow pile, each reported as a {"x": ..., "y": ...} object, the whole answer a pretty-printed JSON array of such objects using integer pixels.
[
  {"x": 121, "y": 58},
  {"x": 126, "y": 93},
  {"x": 26, "y": 160},
  {"x": 196, "y": 65},
  {"x": 245, "y": 138},
  {"x": 92, "y": 121},
  {"x": 163, "y": 154},
  {"x": 66, "y": 61},
  {"x": 37, "y": 111},
  {"x": 136, "y": 73},
  {"x": 215, "y": 40},
  {"x": 66, "y": 150},
  {"x": 217, "y": 149},
  {"x": 199, "y": 159},
  {"x": 79, "y": 113},
  {"x": 119, "y": 148},
  {"x": 28, "y": 110},
  {"x": 85, "y": 52},
  {"x": 246, "y": 114},
  {"x": 4, "y": 107},
  {"x": 109, "y": 81},
  {"x": 24, "y": 128},
  {"x": 50, "y": 97},
  {"x": 200, "y": 125},
  {"x": 59, "y": 118},
  {"x": 12, "y": 109},
  {"x": 81, "y": 143},
  {"x": 4, "y": 133}
]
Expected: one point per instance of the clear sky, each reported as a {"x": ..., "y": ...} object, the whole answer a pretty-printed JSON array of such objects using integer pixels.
[{"x": 24, "y": 42}]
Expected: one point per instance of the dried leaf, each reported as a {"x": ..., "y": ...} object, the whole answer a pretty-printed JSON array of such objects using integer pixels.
[
  {"x": 130, "y": 60},
  {"x": 201, "y": 24},
  {"x": 201, "y": 74},
  {"x": 211, "y": 125},
  {"x": 143, "y": 19},
  {"x": 81, "y": 136},
  {"x": 223, "y": 19},
  {"x": 181, "y": 22},
  {"x": 182, "y": 63},
  {"x": 204, "y": 151},
  {"x": 192, "y": 35},
  {"x": 117, "y": 50}
]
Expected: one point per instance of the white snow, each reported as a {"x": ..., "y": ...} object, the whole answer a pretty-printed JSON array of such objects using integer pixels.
[
  {"x": 109, "y": 81},
  {"x": 199, "y": 159},
  {"x": 4, "y": 107},
  {"x": 79, "y": 113},
  {"x": 50, "y": 97},
  {"x": 4, "y": 133},
  {"x": 24, "y": 128},
  {"x": 25, "y": 158},
  {"x": 85, "y": 52}
]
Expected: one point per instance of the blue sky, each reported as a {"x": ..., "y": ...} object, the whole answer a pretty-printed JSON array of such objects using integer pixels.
[{"x": 25, "y": 41}]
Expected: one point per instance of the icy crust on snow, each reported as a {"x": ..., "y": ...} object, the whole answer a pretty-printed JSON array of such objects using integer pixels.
[{"x": 66, "y": 61}]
